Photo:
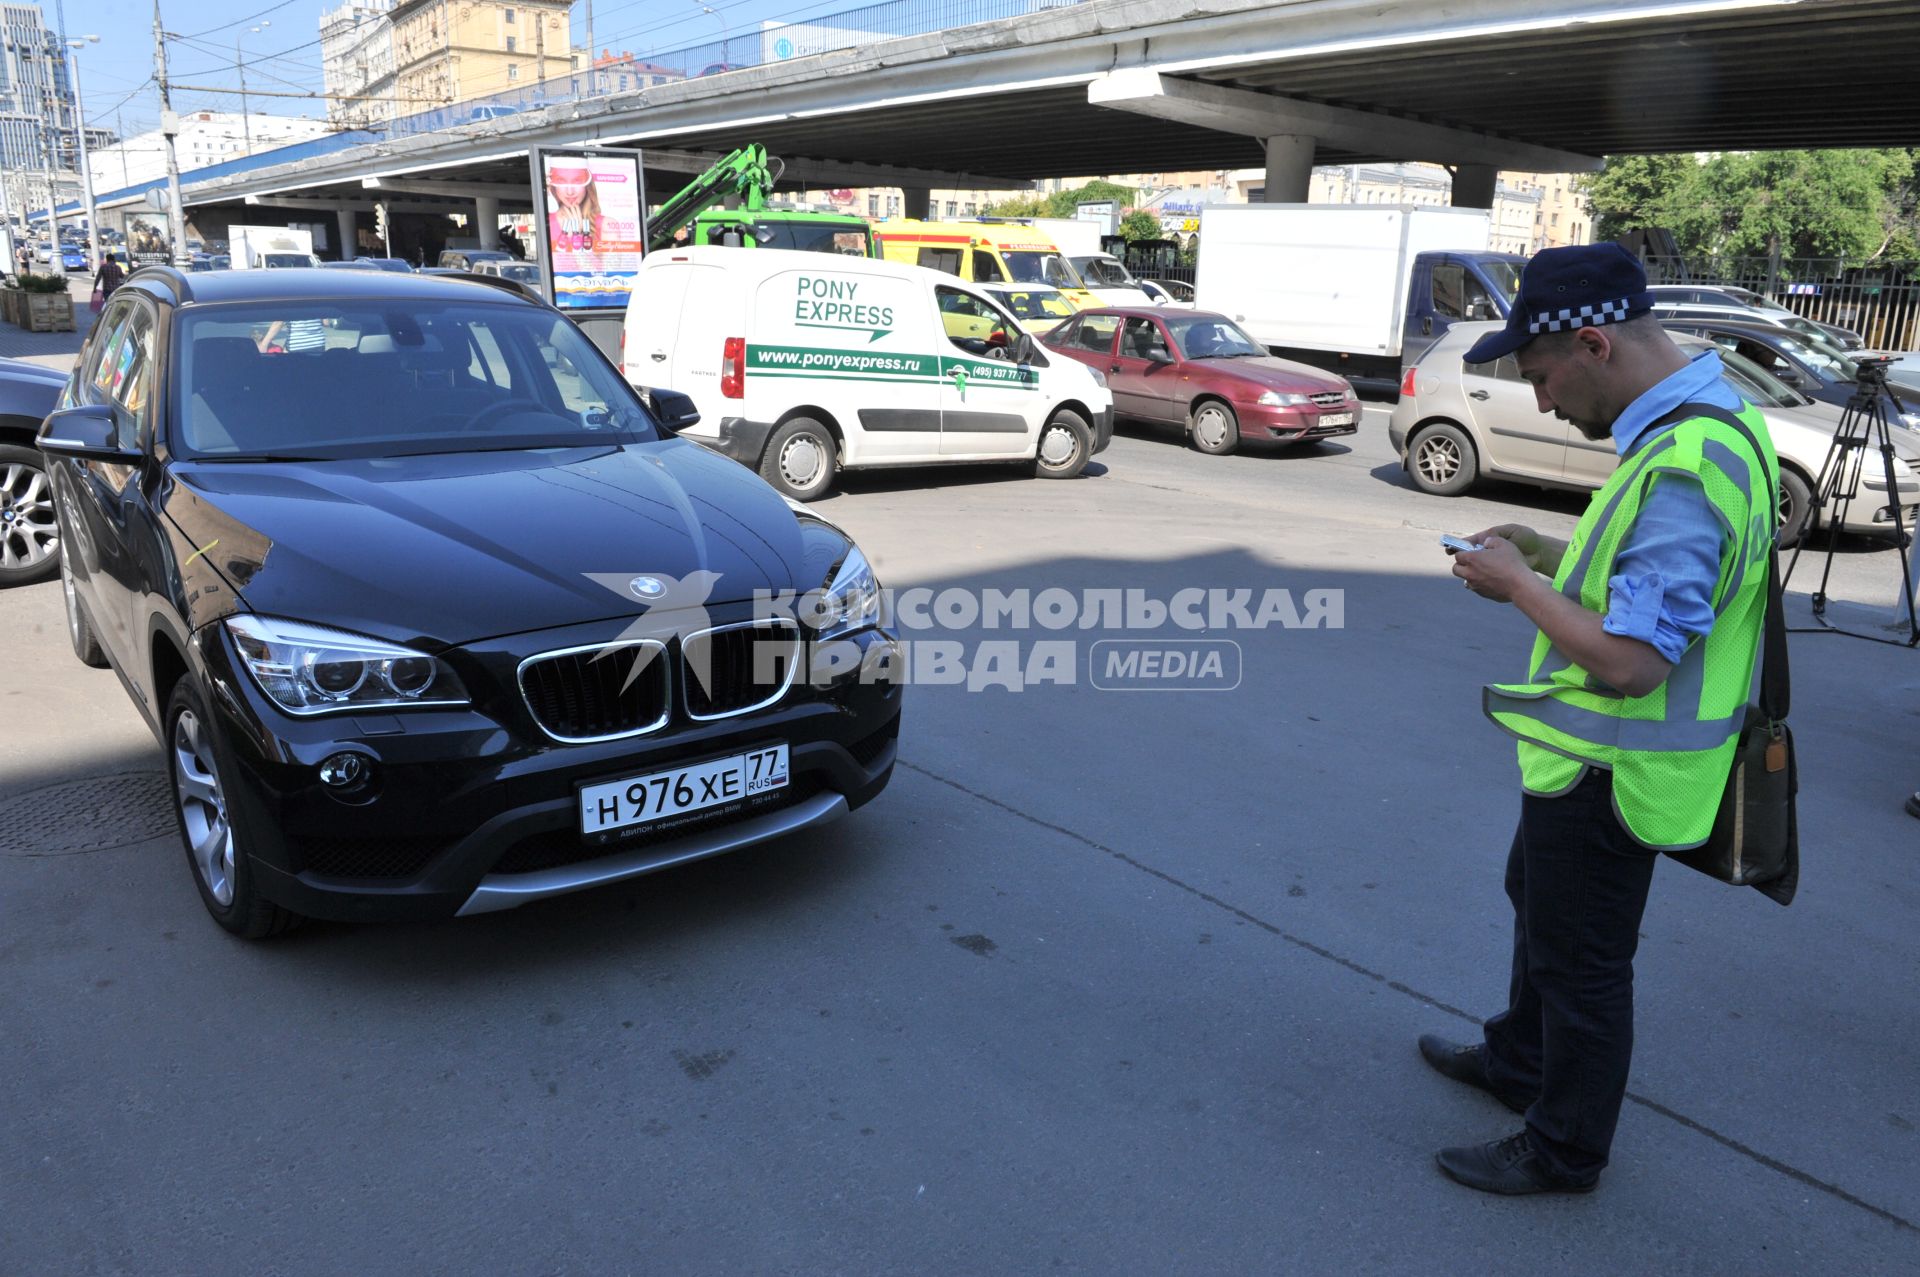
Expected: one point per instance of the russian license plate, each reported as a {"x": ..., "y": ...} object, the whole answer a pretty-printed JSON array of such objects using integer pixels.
[
  {"x": 1336, "y": 419},
  {"x": 641, "y": 800}
]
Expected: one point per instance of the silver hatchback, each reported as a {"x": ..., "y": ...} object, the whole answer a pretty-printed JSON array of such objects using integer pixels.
[{"x": 1457, "y": 423}]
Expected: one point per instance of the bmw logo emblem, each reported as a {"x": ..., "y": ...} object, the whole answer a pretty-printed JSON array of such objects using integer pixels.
[{"x": 647, "y": 587}]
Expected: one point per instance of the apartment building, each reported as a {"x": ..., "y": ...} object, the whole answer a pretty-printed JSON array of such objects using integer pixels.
[{"x": 448, "y": 51}]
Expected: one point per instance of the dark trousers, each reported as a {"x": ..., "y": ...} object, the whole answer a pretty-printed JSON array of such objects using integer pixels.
[{"x": 1578, "y": 883}]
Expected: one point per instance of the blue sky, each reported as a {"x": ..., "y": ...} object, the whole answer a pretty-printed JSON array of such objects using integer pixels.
[{"x": 284, "y": 57}]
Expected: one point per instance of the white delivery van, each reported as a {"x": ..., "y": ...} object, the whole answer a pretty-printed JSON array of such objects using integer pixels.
[
  {"x": 803, "y": 364},
  {"x": 1108, "y": 278}
]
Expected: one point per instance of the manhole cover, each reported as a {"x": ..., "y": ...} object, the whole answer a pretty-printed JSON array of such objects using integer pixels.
[{"x": 90, "y": 814}]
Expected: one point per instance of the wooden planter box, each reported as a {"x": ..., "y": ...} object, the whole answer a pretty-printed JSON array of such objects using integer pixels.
[{"x": 39, "y": 312}]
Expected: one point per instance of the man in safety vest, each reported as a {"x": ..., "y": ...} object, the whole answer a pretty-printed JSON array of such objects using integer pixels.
[{"x": 1649, "y": 623}]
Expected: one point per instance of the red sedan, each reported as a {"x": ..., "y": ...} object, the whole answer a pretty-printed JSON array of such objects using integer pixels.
[{"x": 1199, "y": 370}]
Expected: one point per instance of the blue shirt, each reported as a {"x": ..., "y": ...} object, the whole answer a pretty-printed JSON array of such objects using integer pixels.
[{"x": 1662, "y": 588}]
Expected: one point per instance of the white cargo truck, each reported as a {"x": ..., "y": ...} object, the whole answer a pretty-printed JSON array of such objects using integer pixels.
[
  {"x": 270, "y": 247},
  {"x": 1353, "y": 288}
]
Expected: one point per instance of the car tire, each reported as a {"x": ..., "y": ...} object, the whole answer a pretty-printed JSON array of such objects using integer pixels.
[
  {"x": 1064, "y": 447},
  {"x": 27, "y": 555},
  {"x": 801, "y": 459},
  {"x": 1441, "y": 459},
  {"x": 80, "y": 633},
  {"x": 1213, "y": 427},
  {"x": 218, "y": 864},
  {"x": 1796, "y": 508}
]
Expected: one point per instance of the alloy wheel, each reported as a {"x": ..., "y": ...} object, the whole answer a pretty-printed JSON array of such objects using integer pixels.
[
  {"x": 1438, "y": 459},
  {"x": 203, "y": 809},
  {"x": 29, "y": 534}
]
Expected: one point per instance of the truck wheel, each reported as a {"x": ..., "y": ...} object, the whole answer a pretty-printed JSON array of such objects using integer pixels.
[
  {"x": 200, "y": 802},
  {"x": 1064, "y": 447},
  {"x": 800, "y": 459},
  {"x": 1796, "y": 508},
  {"x": 29, "y": 536},
  {"x": 1213, "y": 427},
  {"x": 1441, "y": 460}
]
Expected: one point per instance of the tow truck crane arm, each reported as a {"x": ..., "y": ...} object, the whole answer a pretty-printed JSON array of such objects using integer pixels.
[{"x": 746, "y": 175}]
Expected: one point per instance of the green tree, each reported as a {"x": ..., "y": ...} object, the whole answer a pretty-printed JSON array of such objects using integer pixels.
[
  {"x": 1139, "y": 225},
  {"x": 1795, "y": 203},
  {"x": 1634, "y": 192},
  {"x": 1018, "y": 206},
  {"x": 1064, "y": 203}
]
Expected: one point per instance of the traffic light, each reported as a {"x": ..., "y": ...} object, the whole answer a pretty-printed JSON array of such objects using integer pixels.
[{"x": 380, "y": 221}]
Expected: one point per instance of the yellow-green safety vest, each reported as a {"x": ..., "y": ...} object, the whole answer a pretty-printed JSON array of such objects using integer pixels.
[{"x": 1670, "y": 751}]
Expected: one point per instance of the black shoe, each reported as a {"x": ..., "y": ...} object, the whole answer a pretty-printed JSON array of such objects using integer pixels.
[
  {"x": 1467, "y": 1064},
  {"x": 1511, "y": 1167}
]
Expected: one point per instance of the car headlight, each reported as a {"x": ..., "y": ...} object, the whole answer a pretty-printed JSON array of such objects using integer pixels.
[
  {"x": 311, "y": 669},
  {"x": 1274, "y": 399},
  {"x": 1099, "y": 378},
  {"x": 851, "y": 599}
]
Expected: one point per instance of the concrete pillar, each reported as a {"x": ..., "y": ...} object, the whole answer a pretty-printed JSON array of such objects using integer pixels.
[
  {"x": 486, "y": 216},
  {"x": 348, "y": 221},
  {"x": 1473, "y": 185},
  {"x": 1289, "y": 168},
  {"x": 917, "y": 201}
]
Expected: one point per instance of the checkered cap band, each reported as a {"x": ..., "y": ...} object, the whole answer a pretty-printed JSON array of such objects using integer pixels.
[{"x": 1554, "y": 321}]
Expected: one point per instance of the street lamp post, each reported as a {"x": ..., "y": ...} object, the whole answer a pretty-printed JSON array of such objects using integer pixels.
[
  {"x": 86, "y": 168},
  {"x": 246, "y": 125}
]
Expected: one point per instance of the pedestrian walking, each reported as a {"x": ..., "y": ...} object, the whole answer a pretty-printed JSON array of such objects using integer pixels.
[
  {"x": 106, "y": 280},
  {"x": 1641, "y": 672}
]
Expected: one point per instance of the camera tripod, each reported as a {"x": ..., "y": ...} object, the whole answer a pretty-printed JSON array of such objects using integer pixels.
[{"x": 1862, "y": 429}]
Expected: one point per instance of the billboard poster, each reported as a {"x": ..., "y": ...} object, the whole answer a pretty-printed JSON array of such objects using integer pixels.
[{"x": 592, "y": 226}]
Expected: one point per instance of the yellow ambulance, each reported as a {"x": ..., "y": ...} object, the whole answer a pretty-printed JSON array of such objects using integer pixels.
[{"x": 984, "y": 252}]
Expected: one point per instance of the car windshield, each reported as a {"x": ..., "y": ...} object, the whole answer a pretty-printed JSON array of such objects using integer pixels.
[
  {"x": 284, "y": 261},
  {"x": 850, "y": 240},
  {"x": 1042, "y": 268},
  {"x": 1505, "y": 277},
  {"x": 1759, "y": 385},
  {"x": 333, "y": 379},
  {"x": 1824, "y": 358},
  {"x": 1747, "y": 297},
  {"x": 1211, "y": 337},
  {"x": 1033, "y": 303},
  {"x": 1104, "y": 272}
]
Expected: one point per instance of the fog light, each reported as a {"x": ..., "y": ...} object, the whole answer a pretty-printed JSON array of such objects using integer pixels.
[{"x": 346, "y": 772}]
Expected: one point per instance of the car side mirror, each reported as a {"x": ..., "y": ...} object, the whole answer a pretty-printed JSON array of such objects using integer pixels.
[
  {"x": 673, "y": 410},
  {"x": 1021, "y": 351},
  {"x": 1159, "y": 356},
  {"x": 86, "y": 432},
  {"x": 1788, "y": 375}
]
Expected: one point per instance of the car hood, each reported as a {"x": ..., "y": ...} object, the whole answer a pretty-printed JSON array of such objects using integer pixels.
[
  {"x": 1271, "y": 373},
  {"x": 453, "y": 548},
  {"x": 22, "y": 370},
  {"x": 1805, "y": 433}
]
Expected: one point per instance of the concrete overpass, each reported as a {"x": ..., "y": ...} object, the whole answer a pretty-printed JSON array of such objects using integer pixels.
[{"x": 1135, "y": 85}]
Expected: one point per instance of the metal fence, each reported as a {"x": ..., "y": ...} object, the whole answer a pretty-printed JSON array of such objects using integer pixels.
[{"x": 1879, "y": 300}]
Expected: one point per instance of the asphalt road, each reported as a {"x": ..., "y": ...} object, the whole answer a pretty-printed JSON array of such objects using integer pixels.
[{"x": 1104, "y": 982}]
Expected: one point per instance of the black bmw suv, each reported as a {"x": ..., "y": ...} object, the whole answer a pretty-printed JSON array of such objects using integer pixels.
[{"x": 431, "y": 612}]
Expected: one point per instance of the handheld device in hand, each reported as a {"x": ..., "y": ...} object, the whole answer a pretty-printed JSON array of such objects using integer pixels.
[{"x": 1461, "y": 544}]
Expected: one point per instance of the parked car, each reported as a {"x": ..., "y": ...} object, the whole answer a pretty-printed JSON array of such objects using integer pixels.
[
  {"x": 1819, "y": 369},
  {"x": 519, "y": 272},
  {"x": 470, "y": 258},
  {"x": 398, "y": 265},
  {"x": 1457, "y": 423},
  {"x": 1109, "y": 280},
  {"x": 1168, "y": 292},
  {"x": 1038, "y": 307},
  {"x": 29, "y": 535},
  {"x": 1199, "y": 371},
  {"x": 1701, "y": 301},
  {"x": 352, "y": 265},
  {"x": 377, "y": 700}
]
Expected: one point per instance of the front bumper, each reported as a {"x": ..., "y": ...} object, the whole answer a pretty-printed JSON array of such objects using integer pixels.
[
  {"x": 474, "y": 809},
  {"x": 1296, "y": 425}
]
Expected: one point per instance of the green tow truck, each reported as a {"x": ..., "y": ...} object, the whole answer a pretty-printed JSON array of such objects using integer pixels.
[{"x": 729, "y": 204}]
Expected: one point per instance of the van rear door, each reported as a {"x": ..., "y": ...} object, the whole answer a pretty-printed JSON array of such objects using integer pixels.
[{"x": 653, "y": 322}]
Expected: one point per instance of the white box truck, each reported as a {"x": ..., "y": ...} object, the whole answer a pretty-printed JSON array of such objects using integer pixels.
[
  {"x": 269, "y": 247},
  {"x": 1353, "y": 288}
]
